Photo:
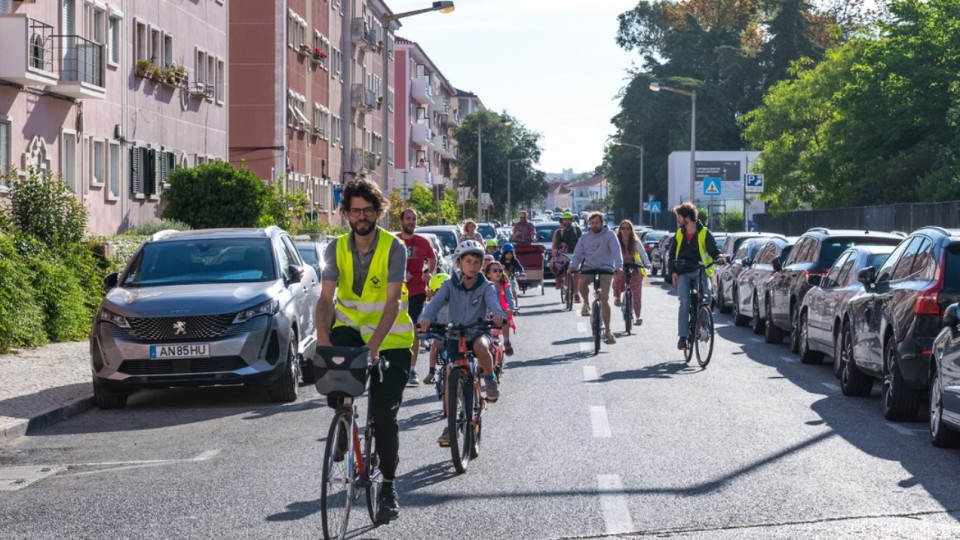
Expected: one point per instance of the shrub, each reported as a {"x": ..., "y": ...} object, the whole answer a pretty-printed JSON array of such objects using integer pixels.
[
  {"x": 317, "y": 227},
  {"x": 61, "y": 295},
  {"x": 215, "y": 195},
  {"x": 283, "y": 209},
  {"x": 43, "y": 207},
  {"x": 149, "y": 228},
  {"x": 733, "y": 221},
  {"x": 21, "y": 317}
]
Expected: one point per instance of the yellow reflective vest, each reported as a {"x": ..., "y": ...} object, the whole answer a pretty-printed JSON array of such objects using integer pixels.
[
  {"x": 364, "y": 312},
  {"x": 702, "y": 242}
]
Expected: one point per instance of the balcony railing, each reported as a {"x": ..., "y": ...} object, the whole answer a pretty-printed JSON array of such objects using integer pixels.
[
  {"x": 81, "y": 67},
  {"x": 364, "y": 99},
  {"x": 369, "y": 161},
  {"x": 364, "y": 35},
  {"x": 27, "y": 53}
]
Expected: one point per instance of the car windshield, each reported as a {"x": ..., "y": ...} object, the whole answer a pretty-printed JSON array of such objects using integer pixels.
[
  {"x": 545, "y": 232},
  {"x": 653, "y": 237},
  {"x": 447, "y": 238},
  {"x": 309, "y": 256},
  {"x": 831, "y": 248},
  {"x": 487, "y": 231},
  {"x": 876, "y": 260},
  {"x": 230, "y": 260}
]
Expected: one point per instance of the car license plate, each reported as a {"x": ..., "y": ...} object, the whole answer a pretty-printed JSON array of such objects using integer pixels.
[{"x": 188, "y": 350}]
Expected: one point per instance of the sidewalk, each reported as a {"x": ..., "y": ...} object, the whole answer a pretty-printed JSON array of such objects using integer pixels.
[{"x": 41, "y": 386}]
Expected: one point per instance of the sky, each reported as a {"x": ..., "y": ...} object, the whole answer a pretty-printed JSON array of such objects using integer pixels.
[{"x": 551, "y": 64}]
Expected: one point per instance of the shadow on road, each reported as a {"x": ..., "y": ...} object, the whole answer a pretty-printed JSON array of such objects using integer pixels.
[
  {"x": 547, "y": 361},
  {"x": 663, "y": 370}
]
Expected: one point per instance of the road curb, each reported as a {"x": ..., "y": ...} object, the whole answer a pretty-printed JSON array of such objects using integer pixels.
[{"x": 11, "y": 431}]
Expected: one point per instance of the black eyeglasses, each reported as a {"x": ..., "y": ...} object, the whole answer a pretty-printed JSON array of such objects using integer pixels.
[
  {"x": 496, "y": 270},
  {"x": 367, "y": 212}
]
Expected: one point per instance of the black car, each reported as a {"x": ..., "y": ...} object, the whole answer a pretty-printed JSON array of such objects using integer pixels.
[
  {"x": 750, "y": 296},
  {"x": 824, "y": 304},
  {"x": 889, "y": 327},
  {"x": 815, "y": 252},
  {"x": 944, "y": 379},
  {"x": 731, "y": 243},
  {"x": 727, "y": 275}
]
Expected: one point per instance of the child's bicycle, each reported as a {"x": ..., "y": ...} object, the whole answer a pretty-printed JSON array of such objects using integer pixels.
[
  {"x": 348, "y": 465},
  {"x": 497, "y": 352},
  {"x": 464, "y": 403}
]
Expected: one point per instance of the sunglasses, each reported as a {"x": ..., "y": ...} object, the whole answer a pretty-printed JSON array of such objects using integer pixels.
[
  {"x": 496, "y": 270},
  {"x": 624, "y": 228}
]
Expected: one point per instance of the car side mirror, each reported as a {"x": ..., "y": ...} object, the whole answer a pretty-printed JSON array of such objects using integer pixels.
[
  {"x": 867, "y": 276},
  {"x": 296, "y": 272},
  {"x": 110, "y": 281},
  {"x": 815, "y": 280},
  {"x": 951, "y": 316},
  {"x": 777, "y": 265},
  {"x": 747, "y": 262}
]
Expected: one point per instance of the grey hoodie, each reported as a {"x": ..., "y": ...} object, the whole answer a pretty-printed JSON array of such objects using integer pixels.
[
  {"x": 467, "y": 306},
  {"x": 600, "y": 251}
]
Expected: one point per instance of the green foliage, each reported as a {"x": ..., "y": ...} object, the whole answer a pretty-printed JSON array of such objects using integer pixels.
[
  {"x": 318, "y": 227},
  {"x": 732, "y": 221},
  {"x": 215, "y": 195},
  {"x": 21, "y": 317},
  {"x": 421, "y": 200},
  {"x": 43, "y": 207},
  {"x": 61, "y": 296},
  {"x": 282, "y": 208},
  {"x": 148, "y": 228}
]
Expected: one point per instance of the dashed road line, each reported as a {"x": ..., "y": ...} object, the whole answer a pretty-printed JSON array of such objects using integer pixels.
[
  {"x": 789, "y": 359},
  {"x": 901, "y": 429},
  {"x": 589, "y": 373},
  {"x": 833, "y": 386},
  {"x": 583, "y": 327},
  {"x": 598, "y": 419},
  {"x": 613, "y": 503}
]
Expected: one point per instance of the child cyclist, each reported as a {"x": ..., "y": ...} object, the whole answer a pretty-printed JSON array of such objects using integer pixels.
[
  {"x": 443, "y": 317},
  {"x": 511, "y": 267},
  {"x": 498, "y": 277}
]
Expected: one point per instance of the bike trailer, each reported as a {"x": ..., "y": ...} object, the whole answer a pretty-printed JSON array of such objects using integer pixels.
[{"x": 341, "y": 371}]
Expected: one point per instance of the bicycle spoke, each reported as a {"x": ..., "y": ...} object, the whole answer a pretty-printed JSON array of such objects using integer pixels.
[{"x": 338, "y": 477}]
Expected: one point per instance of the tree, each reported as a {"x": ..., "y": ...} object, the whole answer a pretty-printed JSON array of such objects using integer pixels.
[
  {"x": 422, "y": 200},
  {"x": 42, "y": 206},
  {"x": 215, "y": 195}
]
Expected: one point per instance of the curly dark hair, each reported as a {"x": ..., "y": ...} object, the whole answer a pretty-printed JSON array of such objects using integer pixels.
[
  {"x": 687, "y": 210},
  {"x": 366, "y": 189}
]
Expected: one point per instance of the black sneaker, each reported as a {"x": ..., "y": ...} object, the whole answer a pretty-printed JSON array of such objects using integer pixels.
[
  {"x": 682, "y": 344},
  {"x": 389, "y": 504}
]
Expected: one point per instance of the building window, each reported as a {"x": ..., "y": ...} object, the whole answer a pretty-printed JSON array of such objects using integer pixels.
[
  {"x": 98, "y": 163},
  {"x": 94, "y": 18},
  {"x": 114, "y": 190},
  {"x": 142, "y": 51},
  {"x": 200, "y": 69},
  {"x": 114, "y": 37},
  {"x": 5, "y": 131},
  {"x": 167, "y": 50},
  {"x": 68, "y": 159},
  {"x": 156, "y": 53},
  {"x": 221, "y": 86}
]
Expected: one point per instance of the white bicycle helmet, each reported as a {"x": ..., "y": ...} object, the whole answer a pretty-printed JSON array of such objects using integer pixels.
[{"x": 469, "y": 246}]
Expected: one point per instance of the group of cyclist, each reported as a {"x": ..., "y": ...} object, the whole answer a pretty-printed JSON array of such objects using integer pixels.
[{"x": 375, "y": 290}]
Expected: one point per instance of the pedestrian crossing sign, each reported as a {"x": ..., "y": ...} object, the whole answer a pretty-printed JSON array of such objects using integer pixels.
[
  {"x": 654, "y": 207},
  {"x": 711, "y": 186}
]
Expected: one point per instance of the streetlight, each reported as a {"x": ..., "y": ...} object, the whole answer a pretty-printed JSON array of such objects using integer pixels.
[
  {"x": 502, "y": 122},
  {"x": 511, "y": 162},
  {"x": 656, "y": 87},
  {"x": 386, "y": 19},
  {"x": 621, "y": 143}
]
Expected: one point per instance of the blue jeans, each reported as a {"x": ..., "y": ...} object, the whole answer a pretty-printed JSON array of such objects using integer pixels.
[{"x": 683, "y": 290}]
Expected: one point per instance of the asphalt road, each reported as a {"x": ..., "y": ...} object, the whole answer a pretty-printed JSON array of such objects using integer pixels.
[{"x": 631, "y": 443}]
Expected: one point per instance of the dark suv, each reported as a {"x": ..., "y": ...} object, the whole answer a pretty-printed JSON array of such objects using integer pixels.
[
  {"x": 890, "y": 325},
  {"x": 814, "y": 254}
]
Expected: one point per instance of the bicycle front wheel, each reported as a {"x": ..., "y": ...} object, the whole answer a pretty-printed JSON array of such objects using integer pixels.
[
  {"x": 628, "y": 309},
  {"x": 458, "y": 419},
  {"x": 375, "y": 477},
  {"x": 339, "y": 478},
  {"x": 691, "y": 333},
  {"x": 704, "y": 336},
  {"x": 476, "y": 429},
  {"x": 595, "y": 324}
]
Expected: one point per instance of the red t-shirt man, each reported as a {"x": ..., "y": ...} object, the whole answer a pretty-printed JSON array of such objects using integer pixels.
[{"x": 419, "y": 250}]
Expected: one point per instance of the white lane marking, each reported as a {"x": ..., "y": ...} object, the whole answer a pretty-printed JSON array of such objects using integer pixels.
[
  {"x": 613, "y": 503},
  {"x": 598, "y": 418},
  {"x": 833, "y": 386},
  {"x": 15, "y": 478},
  {"x": 582, "y": 327},
  {"x": 756, "y": 340},
  {"x": 789, "y": 359},
  {"x": 589, "y": 373},
  {"x": 901, "y": 430},
  {"x": 586, "y": 346},
  {"x": 125, "y": 465}
]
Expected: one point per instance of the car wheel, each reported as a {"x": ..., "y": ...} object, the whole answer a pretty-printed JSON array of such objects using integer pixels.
[
  {"x": 286, "y": 388},
  {"x": 771, "y": 332},
  {"x": 941, "y": 435},
  {"x": 794, "y": 329},
  {"x": 837, "y": 353},
  {"x": 898, "y": 401},
  {"x": 806, "y": 355},
  {"x": 721, "y": 303},
  {"x": 106, "y": 399},
  {"x": 738, "y": 318},
  {"x": 756, "y": 323},
  {"x": 853, "y": 382}
]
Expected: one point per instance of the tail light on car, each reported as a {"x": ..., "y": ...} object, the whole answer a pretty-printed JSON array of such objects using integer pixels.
[
  {"x": 809, "y": 273},
  {"x": 927, "y": 303}
]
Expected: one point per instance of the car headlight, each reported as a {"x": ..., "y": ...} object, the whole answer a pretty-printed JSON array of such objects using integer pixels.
[
  {"x": 109, "y": 316},
  {"x": 267, "y": 308}
]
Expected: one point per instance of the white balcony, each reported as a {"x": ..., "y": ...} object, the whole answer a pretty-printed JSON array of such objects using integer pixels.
[
  {"x": 420, "y": 90},
  {"x": 81, "y": 68},
  {"x": 444, "y": 145},
  {"x": 421, "y": 134},
  {"x": 364, "y": 99},
  {"x": 364, "y": 35},
  {"x": 420, "y": 175},
  {"x": 363, "y": 162},
  {"x": 27, "y": 56}
]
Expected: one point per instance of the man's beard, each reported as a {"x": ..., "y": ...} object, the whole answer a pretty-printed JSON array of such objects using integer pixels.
[
  {"x": 408, "y": 229},
  {"x": 355, "y": 228}
]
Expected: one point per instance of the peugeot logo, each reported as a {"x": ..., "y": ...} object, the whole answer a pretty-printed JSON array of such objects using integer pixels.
[{"x": 179, "y": 327}]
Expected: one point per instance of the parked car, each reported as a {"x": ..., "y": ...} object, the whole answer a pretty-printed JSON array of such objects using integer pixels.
[
  {"x": 815, "y": 252},
  {"x": 728, "y": 244},
  {"x": 444, "y": 258},
  {"x": 890, "y": 325},
  {"x": 658, "y": 255},
  {"x": 727, "y": 275},
  {"x": 487, "y": 230},
  {"x": 206, "y": 307},
  {"x": 944, "y": 377},
  {"x": 449, "y": 235},
  {"x": 650, "y": 240},
  {"x": 312, "y": 254},
  {"x": 750, "y": 295},
  {"x": 825, "y": 302}
]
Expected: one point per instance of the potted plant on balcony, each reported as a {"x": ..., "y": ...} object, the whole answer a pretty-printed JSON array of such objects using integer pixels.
[
  {"x": 174, "y": 74},
  {"x": 318, "y": 55},
  {"x": 156, "y": 73},
  {"x": 143, "y": 68}
]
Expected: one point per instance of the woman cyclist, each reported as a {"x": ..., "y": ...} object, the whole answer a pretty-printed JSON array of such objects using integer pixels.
[
  {"x": 632, "y": 251},
  {"x": 469, "y": 232}
]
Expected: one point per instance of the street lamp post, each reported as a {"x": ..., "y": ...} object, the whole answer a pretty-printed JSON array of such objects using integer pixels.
[
  {"x": 656, "y": 87},
  {"x": 502, "y": 122},
  {"x": 621, "y": 143},
  {"x": 509, "y": 202},
  {"x": 386, "y": 19}
]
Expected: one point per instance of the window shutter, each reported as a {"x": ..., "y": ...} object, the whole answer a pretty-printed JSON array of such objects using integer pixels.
[
  {"x": 136, "y": 187},
  {"x": 151, "y": 172}
]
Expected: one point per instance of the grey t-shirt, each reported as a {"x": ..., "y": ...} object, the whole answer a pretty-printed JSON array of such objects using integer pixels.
[{"x": 361, "y": 262}]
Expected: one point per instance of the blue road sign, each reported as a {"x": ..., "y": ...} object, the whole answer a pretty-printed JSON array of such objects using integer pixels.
[
  {"x": 754, "y": 183},
  {"x": 711, "y": 187},
  {"x": 654, "y": 207},
  {"x": 650, "y": 197}
]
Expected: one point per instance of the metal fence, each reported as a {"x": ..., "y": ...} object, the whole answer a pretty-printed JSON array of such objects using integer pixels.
[{"x": 893, "y": 217}]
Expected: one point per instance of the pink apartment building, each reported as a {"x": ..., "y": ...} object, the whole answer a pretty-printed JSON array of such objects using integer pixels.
[
  {"x": 427, "y": 115},
  {"x": 113, "y": 95}
]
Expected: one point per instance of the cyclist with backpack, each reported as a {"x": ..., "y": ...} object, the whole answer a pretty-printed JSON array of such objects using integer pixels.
[
  {"x": 692, "y": 244},
  {"x": 564, "y": 241}
]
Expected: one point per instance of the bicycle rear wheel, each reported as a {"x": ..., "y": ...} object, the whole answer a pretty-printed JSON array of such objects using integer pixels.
[
  {"x": 691, "y": 333},
  {"x": 595, "y": 325},
  {"x": 627, "y": 309},
  {"x": 339, "y": 477},
  {"x": 704, "y": 336},
  {"x": 372, "y": 466},
  {"x": 458, "y": 419},
  {"x": 568, "y": 279},
  {"x": 476, "y": 430}
]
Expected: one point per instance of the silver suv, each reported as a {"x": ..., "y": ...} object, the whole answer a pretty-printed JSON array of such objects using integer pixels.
[{"x": 207, "y": 307}]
